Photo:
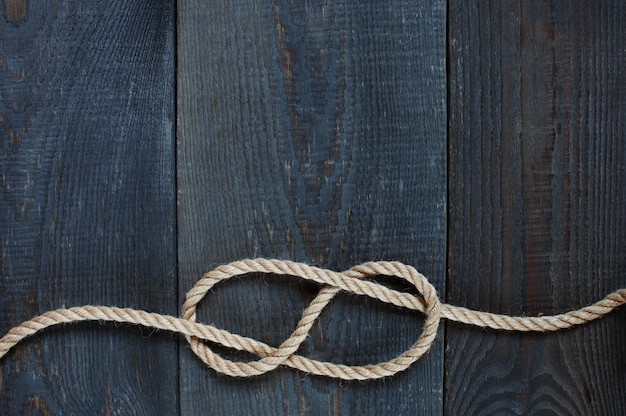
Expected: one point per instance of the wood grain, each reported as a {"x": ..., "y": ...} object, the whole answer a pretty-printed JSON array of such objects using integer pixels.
[
  {"x": 87, "y": 205},
  {"x": 537, "y": 206},
  {"x": 316, "y": 132},
  {"x": 311, "y": 131}
]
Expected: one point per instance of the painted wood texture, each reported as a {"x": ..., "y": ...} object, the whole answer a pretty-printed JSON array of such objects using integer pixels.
[
  {"x": 87, "y": 202},
  {"x": 312, "y": 131},
  {"x": 537, "y": 209}
]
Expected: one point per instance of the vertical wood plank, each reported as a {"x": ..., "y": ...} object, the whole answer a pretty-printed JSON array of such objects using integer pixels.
[
  {"x": 537, "y": 168},
  {"x": 312, "y": 131},
  {"x": 87, "y": 202}
]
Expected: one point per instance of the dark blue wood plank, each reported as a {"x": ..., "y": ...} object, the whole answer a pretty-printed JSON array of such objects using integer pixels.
[
  {"x": 87, "y": 201},
  {"x": 312, "y": 131},
  {"x": 537, "y": 203}
]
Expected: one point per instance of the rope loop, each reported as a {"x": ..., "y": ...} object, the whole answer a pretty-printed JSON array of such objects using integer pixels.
[{"x": 333, "y": 281}]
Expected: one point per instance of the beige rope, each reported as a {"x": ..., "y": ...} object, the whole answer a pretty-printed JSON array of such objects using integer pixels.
[{"x": 350, "y": 281}]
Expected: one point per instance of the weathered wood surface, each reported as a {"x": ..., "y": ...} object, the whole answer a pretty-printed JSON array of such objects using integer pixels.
[
  {"x": 537, "y": 202},
  {"x": 87, "y": 202},
  {"x": 312, "y": 131}
]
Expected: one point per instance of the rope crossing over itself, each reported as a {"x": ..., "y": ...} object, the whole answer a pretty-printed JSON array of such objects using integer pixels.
[{"x": 350, "y": 281}]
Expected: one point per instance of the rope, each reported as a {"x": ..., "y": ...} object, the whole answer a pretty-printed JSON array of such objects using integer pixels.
[{"x": 350, "y": 281}]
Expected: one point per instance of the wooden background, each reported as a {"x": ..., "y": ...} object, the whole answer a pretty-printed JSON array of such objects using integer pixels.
[{"x": 145, "y": 142}]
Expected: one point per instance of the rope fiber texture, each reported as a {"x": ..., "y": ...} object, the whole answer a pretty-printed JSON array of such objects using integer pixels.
[{"x": 351, "y": 281}]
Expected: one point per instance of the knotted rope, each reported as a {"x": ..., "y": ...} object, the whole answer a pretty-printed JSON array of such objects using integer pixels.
[{"x": 350, "y": 281}]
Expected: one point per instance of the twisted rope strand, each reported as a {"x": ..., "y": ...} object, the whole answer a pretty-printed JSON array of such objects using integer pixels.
[{"x": 351, "y": 281}]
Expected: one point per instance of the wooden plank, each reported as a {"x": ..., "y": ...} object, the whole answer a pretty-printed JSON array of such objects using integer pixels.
[
  {"x": 537, "y": 202},
  {"x": 87, "y": 205},
  {"x": 311, "y": 131}
]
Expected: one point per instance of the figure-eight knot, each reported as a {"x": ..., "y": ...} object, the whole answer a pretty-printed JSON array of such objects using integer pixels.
[{"x": 351, "y": 281}]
